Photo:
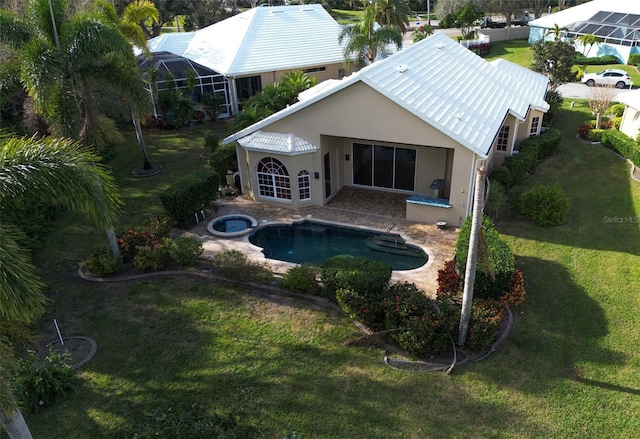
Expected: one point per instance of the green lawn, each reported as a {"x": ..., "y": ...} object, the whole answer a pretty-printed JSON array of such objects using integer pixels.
[{"x": 184, "y": 349}]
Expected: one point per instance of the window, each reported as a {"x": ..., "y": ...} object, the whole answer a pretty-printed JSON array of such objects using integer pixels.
[
  {"x": 304, "y": 185},
  {"x": 315, "y": 69},
  {"x": 502, "y": 143},
  {"x": 535, "y": 126},
  {"x": 341, "y": 73},
  {"x": 249, "y": 86},
  {"x": 384, "y": 166},
  {"x": 273, "y": 179}
]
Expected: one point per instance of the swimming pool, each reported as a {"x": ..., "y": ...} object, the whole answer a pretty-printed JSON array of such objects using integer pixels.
[{"x": 314, "y": 242}]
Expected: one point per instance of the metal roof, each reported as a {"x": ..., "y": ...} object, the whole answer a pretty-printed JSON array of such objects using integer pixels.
[
  {"x": 447, "y": 86},
  {"x": 587, "y": 11},
  {"x": 630, "y": 98},
  {"x": 268, "y": 39},
  {"x": 175, "y": 42},
  {"x": 286, "y": 144}
]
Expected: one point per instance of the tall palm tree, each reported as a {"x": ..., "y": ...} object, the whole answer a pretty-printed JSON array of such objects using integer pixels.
[
  {"x": 366, "y": 40},
  {"x": 587, "y": 41},
  {"x": 62, "y": 60},
  {"x": 134, "y": 13},
  {"x": 392, "y": 13},
  {"x": 66, "y": 175}
]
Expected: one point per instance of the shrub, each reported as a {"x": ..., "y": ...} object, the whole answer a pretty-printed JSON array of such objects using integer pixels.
[
  {"x": 403, "y": 302},
  {"x": 365, "y": 308},
  {"x": 545, "y": 206},
  {"x": 492, "y": 277},
  {"x": 424, "y": 336},
  {"x": 634, "y": 59},
  {"x": 364, "y": 275},
  {"x": 521, "y": 164},
  {"x": 617, "y": 110},
  {"x": 302, "y": 279},
  {"x": 548, "y": 142},
  {"x": 235, "y": 265},
  {"x": 622, "y": 144},
  {"x": 595, "y": 135},
  {"x": 502, "y": 175},
  {"x": 449, "y": 281},
  {"x": 103, "y": 263},
  {"x": 153, "y": 257},
  {"x": 515, "y": 295},
  {"x": 190, "y": 194},
  {"x": 184, "y": 252},
  {"x": 617, "y": 121},
  {"x": 38, "y": 383},
  {"x": 484, "y": 324},
  {"x": 211, "y": 141},
  {"x": 159, "y": 226},
  {"x": 584, "y": 130},
  {"x": 131, "y": 240},
  {"x": 223, "y": 159},
  {"x": 597, "y": 60}
]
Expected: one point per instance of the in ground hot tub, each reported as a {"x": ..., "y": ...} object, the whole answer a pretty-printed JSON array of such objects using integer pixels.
[{"x": 230, "y": 226}]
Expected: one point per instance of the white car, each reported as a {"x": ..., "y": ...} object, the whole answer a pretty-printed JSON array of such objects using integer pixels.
[{"x": 610, "y": 77}]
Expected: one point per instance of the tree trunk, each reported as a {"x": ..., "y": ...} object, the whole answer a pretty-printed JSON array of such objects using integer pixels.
[
  {"x": 15, "y": 425},
  {"x": 145, "y": 157},
  {"x": 113, "y": 242},
  {"x": 472, "y": 258}
]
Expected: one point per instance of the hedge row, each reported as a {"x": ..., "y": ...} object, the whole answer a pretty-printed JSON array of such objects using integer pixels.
[
  {"x": 190, "y": 194},
  {"x": 597, "y": 60},
  {"x": 622, "y": 144},
  {"x": 515, "y": 168}
]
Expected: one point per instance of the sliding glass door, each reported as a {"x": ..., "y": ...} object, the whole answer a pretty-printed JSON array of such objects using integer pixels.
[{"x": 384, "y": 166}]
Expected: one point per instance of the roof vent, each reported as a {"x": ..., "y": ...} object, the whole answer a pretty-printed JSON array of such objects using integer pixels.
[
  {"x": 439, "y": 46},
  {"x": 402, "y": 68}
]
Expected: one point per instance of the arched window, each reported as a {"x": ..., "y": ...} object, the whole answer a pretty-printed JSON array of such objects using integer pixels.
[
  {"x": 273, "y": 179},
  {"x": 304, "y": 185}
]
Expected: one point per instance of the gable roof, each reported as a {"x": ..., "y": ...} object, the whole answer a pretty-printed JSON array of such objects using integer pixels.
[
  {"x": 630, "y": 98},
  {"x": 268, "y": 39},
  {"x": 585, "y": 11},
  {"x": 445, "y": 85}
]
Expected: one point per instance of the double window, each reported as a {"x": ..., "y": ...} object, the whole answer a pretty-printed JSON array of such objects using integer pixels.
[
  {"x": 304, "y": 185},
  {"x": 502, "y": 143},
  {"x": 535, "y": 126},
  {"x": 384, "y": 166}
]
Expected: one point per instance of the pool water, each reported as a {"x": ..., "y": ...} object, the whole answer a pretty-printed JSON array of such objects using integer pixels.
[
  {"x": 232, "y": 225},
  {"x": 315, "y": 242}
]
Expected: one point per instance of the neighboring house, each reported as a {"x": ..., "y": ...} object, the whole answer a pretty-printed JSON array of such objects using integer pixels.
[
  {"x": 615, "y": 22},
  {"x": 419, "y": 123},
  {"x": 257, "y": 47},
  {"x": 630, "y": 124}
]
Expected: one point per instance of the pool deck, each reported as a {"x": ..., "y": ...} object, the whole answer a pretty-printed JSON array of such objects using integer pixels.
[{"x": 375, "y": 210}]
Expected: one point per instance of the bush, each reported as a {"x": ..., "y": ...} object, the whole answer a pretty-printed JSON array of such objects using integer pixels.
[
  {"x": 153, "y": 257},
  {"x": 617, "y": 121},
  {"x": 597, "y": 60},
  {"x": 634, "y": 59},
  {"x": 622, "y": 144},
  {"x": 496, "y": 200},
  {"x": 365, "y": 308},
  {"x": 184, "y": 252},
  {"x": 302, "y": 279},
  {"x": 523, "y": 163},
  {"x": 449, "y": 281},
  {"x": 235, "y": 265},
  {"x": 484, "y": 325},
  {"x": 617, "y": 110},
  {"x": 595, "y": 135},
  {"x": 211, "y": 141},
  {"x": 131, "y": 240},
  {"x": 103, "y": 263},
  {"x": 403, "y": 302},
  {"x": 362, "y": 274},
  {"x": 515, "y": 295},
  {"x": 545, "y": 206},
  {"x": 584, "y": 130},
  {"x": 492, "y": 279},
  {"x": 424, "y": 336},
  {"x": 223, "y": 159},
  {"x": 548, "y": 143},
  {"x": 38, "y": 383},
  {"x": 190, "y": 194},
  {"x": 502, "y": 175}
]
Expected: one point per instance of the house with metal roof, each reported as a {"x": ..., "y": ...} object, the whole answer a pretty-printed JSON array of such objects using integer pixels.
[
  {"x": 419, "y": 123},
  {"x": 615, "y": 22},
  {"x": 630, "y": 123},
  {"x": 257, "y": 47}
]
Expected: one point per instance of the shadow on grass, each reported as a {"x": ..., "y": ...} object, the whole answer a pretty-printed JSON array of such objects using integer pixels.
[
  {"x": 201, "y": 349},
  {"x": 558, "y": 326}
]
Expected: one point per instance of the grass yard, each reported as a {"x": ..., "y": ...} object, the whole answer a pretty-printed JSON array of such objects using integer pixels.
[{"x": 174, "y": 352}]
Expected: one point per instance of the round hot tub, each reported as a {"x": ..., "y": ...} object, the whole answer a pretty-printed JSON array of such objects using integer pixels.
[{"x": 230, "y": 226}]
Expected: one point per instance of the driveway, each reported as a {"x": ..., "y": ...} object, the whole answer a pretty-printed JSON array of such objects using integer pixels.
[{"x": 577, "y": 90}]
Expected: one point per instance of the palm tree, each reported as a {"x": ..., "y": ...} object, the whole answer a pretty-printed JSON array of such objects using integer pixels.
[
  {"x": 555, "y": 31},
  {"x": 134, "y": 13},
  {"x": 293, "y": 83},
  {"x": 392, "y": 13},
  {"x": 61, "y": 60},
  {"x": 367, "y": 41},
  {"x": 66, "y": 175},
  {"x": 588, "y": 40}
]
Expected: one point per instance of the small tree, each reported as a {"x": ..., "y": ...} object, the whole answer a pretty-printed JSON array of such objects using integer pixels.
[
  {"x": 554, "y": 59},
  {"x": 599, "y": 99},
  {"x": 587, "y": 40},
  {"x": 464, "y": 19}
]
